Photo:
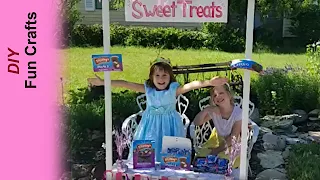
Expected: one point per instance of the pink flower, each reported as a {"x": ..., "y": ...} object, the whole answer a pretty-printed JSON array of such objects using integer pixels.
[{"x": 233, "y": 152}]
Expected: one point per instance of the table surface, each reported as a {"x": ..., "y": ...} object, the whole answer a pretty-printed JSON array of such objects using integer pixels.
[{"x": 176, "y": 173}]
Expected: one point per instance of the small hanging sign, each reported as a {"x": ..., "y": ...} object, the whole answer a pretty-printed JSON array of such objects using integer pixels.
[{"x": 107, "y": 62}]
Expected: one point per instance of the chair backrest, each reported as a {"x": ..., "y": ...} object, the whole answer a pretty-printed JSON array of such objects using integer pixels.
[
  {"x": 142, "y": 101},
  {"x": 203, "y": 103}
]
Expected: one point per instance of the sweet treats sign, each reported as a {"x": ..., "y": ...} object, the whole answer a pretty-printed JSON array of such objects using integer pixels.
[
  {"x": 107, "y": 62},
  {"x": 177, "y": 10}
]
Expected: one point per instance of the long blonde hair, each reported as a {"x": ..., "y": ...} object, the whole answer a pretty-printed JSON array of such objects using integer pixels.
[{"x": 229, "y": 91}]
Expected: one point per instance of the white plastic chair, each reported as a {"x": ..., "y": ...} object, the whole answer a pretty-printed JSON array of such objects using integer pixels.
[
  {"x": 201, "y": 134},
  {"x": 130, "y": 123}
]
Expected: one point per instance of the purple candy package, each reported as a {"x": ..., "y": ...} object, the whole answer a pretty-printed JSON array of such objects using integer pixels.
[{"x": 143, "y": 154}]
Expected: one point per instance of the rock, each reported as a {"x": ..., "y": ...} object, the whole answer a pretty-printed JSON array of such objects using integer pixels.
[
  {"x": 284, "y": 124},
  {"x": 270, "y": 159},
  {"x": 292, "y": 141},
  {"x": 264, "y": 130},
  {"x": 314, "y": 135},
  {"x": 314, "y": 118},
  {"x": 269, "y": 118},
  {"x": 280, "y": 122},
  {"x": 273, "y": 142},
  {"x": 271, "y": 174},
  {"x": 302, "y": 116},
  {"x": 282, "y": 170},
  {"x": 269, "y": 121},
  {"x": 81, "y": 170},
  {"x": 286, "y": 152},
  {"x": 314, "y": 112},
  {"x": 99, "y": 156},
  {"x": 294, "y": 128},
  {"x": 255, "y": 116},
  {"x": 314, "y": 115}
]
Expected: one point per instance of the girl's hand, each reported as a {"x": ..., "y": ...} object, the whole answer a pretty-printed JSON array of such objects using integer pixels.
[
  {"x": 213, "y": 109},
  {"x": 218, "y": 81}
]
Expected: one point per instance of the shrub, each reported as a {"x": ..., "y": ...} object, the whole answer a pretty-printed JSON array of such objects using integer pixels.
[
  {"x": 306, "y": 24},
  {"x": 212, "y": 36},
  {"x": 313, "y": 63},
  {"x": 85, "y": 35},
  {"x": 280, "y": 91},
  {"x": 224, "y": 37}
]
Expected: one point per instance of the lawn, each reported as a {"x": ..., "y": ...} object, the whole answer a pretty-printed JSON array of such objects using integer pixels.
[{"x": 77, "y": 63}]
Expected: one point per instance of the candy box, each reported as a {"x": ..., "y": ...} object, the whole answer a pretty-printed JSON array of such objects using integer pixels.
[
  {"x": 200, "y": 161},
  {"x": 212, "y": 159},
  {"x": 176, "y": 153},
  {"x": 175, "y": 161},
  {"x": 143, "y": 154},
  {"x": 107, "y": 62}
]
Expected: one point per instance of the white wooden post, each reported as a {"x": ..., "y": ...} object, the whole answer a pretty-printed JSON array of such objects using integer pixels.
[
  {"x": 107, "y": 85},
  {"x": 246, "y": 92}
]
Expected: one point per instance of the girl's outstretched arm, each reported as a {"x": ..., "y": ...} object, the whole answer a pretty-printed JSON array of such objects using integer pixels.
[
  {"x": 124, "y": 84},
  {"x": 216, "y": 81},
  {"x": 203, "y": 116}
]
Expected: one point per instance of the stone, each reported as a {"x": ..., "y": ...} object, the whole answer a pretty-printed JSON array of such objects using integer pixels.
[
  {"x": 270, "y": 159},
  {"x": 314, "y": 115},
  {"x": 314, "y": 112},
  {"x": 314, "y": 118},
  {"x": 294, "y": 128},
  {"x": 264, "y": 130},
  {"x": 284, "y": 124},
  {"x": 277, "y": 122},
  {"x": 269, "y": 121},
  {"x": 255, "y": 116},
  {"x": 271, "y": 174},
  {"x": 81, "y": 170},
  {"x": 292, "y": 141},
  {"x": 273, "y": 142},
  {"x": 315, "y": 135},
  {"x": 302, "y": 116},
  {"x": 286, "y": 152},
  {"x": 282, "y": 170}
]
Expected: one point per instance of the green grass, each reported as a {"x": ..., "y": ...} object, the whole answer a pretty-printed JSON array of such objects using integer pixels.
[
  {"x": 77, "y": 66},
  {"x": 304, "y": 162}
]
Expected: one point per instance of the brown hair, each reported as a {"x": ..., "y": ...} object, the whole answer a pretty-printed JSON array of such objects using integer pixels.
[
  {"x": 228, "y": 90},
  {"x": 161, "y": 66}
]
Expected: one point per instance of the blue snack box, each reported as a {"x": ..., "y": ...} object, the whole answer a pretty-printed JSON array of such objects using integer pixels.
[{"x": 107, "y": 62}]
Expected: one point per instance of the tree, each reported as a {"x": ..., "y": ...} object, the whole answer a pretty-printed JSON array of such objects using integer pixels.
[{"x": 68, "y": 15}]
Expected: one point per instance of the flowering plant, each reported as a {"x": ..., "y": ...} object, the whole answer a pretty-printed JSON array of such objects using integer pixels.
[{"x": 233, "y": 151}]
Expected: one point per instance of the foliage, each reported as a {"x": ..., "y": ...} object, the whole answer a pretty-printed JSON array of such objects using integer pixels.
[
  {"x": 219, "y": 37},
  {"x": 305, "y": 23},
  {"x": 68, "y": 16},
  {"x": 313, "y": 63},
  {"x": 303, "y": 162},
  {"x": 280, "y": 91},
  {"x": 224, "y": 37}
]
